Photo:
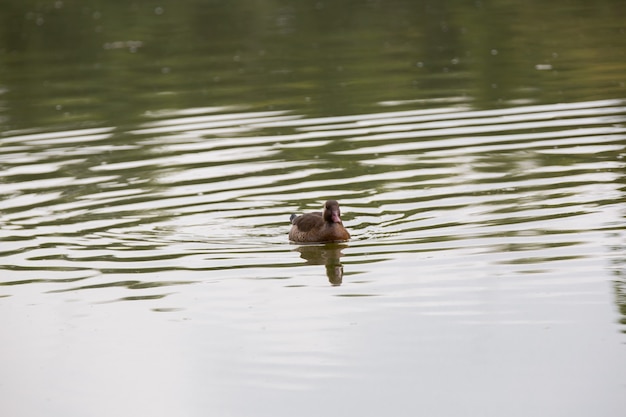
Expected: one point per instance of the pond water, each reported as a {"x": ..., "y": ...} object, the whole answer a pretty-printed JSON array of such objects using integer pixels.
[{"x": 151, "y": 154}]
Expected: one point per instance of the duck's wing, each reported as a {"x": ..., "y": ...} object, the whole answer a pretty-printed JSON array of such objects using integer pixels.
[{"x": 308, "y": 221}]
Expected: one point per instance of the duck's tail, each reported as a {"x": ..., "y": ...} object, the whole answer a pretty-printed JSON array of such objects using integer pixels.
[{"x": 292, "y": 218}]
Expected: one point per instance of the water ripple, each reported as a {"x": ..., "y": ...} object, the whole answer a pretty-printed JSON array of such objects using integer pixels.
[{"x": 211, "y": 189}]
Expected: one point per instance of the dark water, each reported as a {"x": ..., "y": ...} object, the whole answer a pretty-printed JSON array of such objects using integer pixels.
[{"x": 152, "y": 152}]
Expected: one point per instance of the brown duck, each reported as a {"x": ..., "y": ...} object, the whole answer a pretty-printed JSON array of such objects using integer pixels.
[{"x": 319, "y": 227}]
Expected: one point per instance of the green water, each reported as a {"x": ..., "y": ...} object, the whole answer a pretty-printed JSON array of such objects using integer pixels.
[{"x": 70, "y": 62}]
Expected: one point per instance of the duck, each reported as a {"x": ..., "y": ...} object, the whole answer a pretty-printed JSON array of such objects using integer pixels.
[{"x": 320, "y": 226}]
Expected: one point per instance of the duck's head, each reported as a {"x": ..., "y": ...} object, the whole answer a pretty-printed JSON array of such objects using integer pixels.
[{"x": 331, "y": 212}]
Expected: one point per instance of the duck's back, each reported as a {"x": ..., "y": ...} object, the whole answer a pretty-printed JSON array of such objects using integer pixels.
[{"x": 309, "y": 221}]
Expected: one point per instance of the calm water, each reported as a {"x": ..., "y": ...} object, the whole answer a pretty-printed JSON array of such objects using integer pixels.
[{"x": 151, "y": 155}]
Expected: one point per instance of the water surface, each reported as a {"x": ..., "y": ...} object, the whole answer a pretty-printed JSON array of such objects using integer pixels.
[{"x": 147, "y": 178}]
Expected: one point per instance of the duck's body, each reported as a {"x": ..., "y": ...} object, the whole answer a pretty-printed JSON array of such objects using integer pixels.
[{"x": 319, "y": 227}]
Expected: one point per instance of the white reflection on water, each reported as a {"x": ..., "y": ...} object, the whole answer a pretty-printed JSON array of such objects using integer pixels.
[{"x": 487, "y": 264}]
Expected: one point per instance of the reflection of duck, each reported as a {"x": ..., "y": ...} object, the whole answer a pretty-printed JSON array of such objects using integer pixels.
[
  {"x": 328, "y": 255},
  {"x": 319, "y": 227}
]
